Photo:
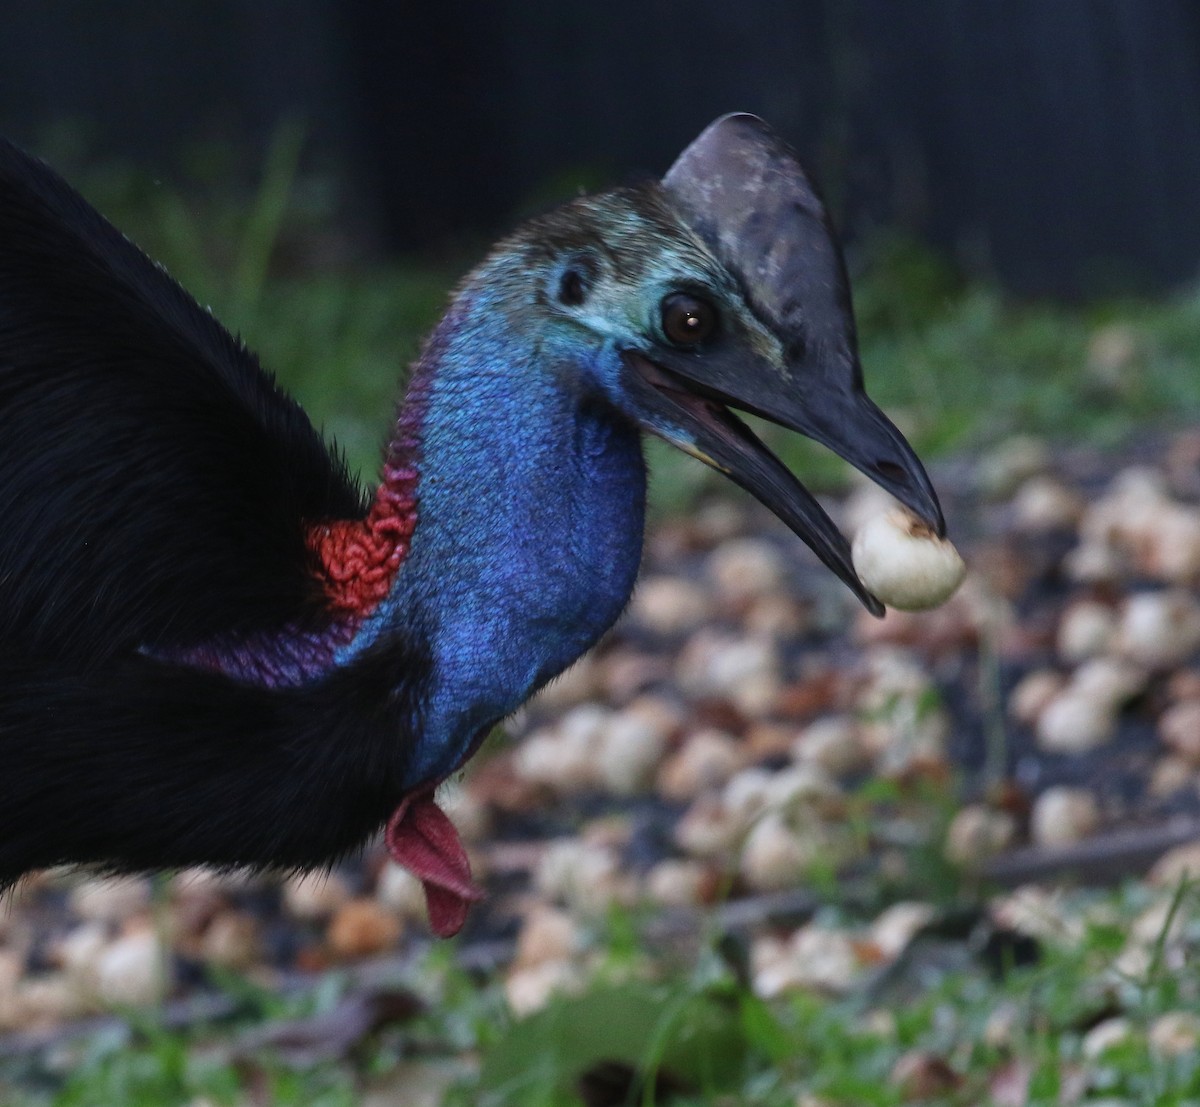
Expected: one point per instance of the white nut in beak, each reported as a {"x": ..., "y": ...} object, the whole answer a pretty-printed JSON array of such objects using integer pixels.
[{"x": 904, "y": 563}]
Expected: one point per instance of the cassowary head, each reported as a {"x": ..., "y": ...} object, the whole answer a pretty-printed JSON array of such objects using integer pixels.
[{"x": 719, "y": 287}]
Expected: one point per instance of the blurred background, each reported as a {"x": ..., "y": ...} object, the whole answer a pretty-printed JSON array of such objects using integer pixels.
[
  {"x": 1012, "y": 180},
  {"x": 1054, "y": 146},
  {"x": 1018, "y": 188}
]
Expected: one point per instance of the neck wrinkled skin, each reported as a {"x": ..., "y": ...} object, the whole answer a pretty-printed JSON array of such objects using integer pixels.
[{"x": 530, "y": 509}]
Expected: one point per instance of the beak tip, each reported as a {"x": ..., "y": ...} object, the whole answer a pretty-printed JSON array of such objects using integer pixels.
[{"x": 873, "y": 605}]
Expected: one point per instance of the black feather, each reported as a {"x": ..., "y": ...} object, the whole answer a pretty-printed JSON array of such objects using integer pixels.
[
  {"x": 145, "y": 765},
  {"x": 156, "y": 487},
  {"x": 155, "y": 483}
]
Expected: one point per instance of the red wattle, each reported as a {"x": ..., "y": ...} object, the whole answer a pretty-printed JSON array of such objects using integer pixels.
[{"x": 423, "y": 840}]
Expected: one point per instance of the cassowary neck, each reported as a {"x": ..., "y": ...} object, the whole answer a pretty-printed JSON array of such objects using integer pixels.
[{"x": 530, "y": 505}]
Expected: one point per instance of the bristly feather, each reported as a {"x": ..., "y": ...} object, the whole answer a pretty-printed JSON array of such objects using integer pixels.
[
  {"x": 157, "y": 495},
  {"x": 144, "y": 765},
  {"x": 131, "y": 424}
]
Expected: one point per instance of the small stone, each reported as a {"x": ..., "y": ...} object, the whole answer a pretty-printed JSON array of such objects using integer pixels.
[
  {"x": 1184, "y": 684},
  {"x": 400, "y": 892},
  {"x": 707, "y": 759},
  {"x": 707, "y": 829},
  {"x": 1093, "y": 563},
  {"x": 110, "y": 898},
  {"x": 1171, "y": 551},
  {"x": 674, "y": 883},
  {"x": 1160, "y": 629},
  {"x": 1003, "y": 1025},
  {"x": 547, "y": 934},
  {"x": 132, "y": 971},
  {"x": 563, "y": 764},
  {"x": 1011, "y": 463},
  {"x": 1112, "y": 352},
  {"x": 584, "y": 725},
  {"x": 1043, "y": 503},
  {"x": 232, "y": 941},
  {"x": 816, "y": 958},
  {"x": 767, "y": 741},
  {"x": 1087, "y": 629},
  {"x": 894, "y": 929},
  {"x": 1160, "y": 923},
  {"x": 744, "y": 670},
  {"x": 835, "y": 744},
  {"x": 1126, "y": 511},
  {"x": 1109, "y": 681},
  {"x": 1176, "y": 865},
  {"x": 78, "y": 952},
  {"x": 1171, "y": 775},
  {"x": 1075, "y": 723},
  {"x": 1033, "y": 694},
  {"x": 1175, "y": 1034},
  {"x": 748, "y": 795},
  {"x": 530, "y": 989},
  {"x": 719, "y": 521},
  {"x": 663, "y": 714},
  {"x": 670, "y": 605},
  {"x": 1179, "y": 729},
  {"x": 803, "y": 788},
  {"x": 776, "y": 617},
  {"x": 586, "y": 878},
  {"x": 628, "y": 672},
  {"x": 47, "y": 1000},
  {"x": 312, "y": 896},
  {"x": 629, "y": 753},
  {"x": 746, "y": 569},
  {"x": 978, "y": 833},
  {"x": 774, "y": 856},
  {"x": 362, "y": 928},
  {"x": 1040, "y": 913},
  {"x": 1104, "y": 1036},
  {"x": 825, "y": 959},
  {"x": 1062, "y": 816}
]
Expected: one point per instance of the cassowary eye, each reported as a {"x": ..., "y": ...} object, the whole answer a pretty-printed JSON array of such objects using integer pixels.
[
  {"x": 571, "y": 288},
  {"x": 687, "y": 320}
]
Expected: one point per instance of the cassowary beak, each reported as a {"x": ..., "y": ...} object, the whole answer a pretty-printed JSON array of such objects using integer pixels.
[
  {"x": 851, "y": 425},
  {"x": 741, "y": 190}
]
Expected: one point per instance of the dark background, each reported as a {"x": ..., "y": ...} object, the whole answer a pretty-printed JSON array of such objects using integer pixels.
[{"x": 1054, "y": 144}]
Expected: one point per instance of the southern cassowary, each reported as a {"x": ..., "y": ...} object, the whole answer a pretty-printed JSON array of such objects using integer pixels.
[{"x": 214, "y": 649}]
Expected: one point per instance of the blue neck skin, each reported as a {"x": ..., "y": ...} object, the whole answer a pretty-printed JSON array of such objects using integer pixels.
[{"x": 529, "y": 535}]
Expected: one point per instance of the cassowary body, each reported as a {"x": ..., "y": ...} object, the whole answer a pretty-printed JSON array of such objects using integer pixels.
[{"x": 213, "y": 649}]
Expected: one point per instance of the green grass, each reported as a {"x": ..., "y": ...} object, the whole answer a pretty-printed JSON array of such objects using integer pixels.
[{"x": 691, "y": 1021}]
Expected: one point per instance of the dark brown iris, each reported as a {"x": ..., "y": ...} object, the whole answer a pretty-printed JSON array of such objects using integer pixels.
[{"x": 687, "y": 320}]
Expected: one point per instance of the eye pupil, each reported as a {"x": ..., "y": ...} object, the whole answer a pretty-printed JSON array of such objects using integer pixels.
[
  {"x": 687, "y": 320},
  {"x": 570, "y": 288}
]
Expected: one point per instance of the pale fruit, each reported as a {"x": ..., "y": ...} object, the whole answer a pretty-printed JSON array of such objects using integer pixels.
[{"x": 904, "y": 563}]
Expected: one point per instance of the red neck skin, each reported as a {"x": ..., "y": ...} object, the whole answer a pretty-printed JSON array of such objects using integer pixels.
[{"x": 359, "y": 558}]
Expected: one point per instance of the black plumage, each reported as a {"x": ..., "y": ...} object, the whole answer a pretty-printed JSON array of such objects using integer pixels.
[{"x": 132, "y": 423}]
